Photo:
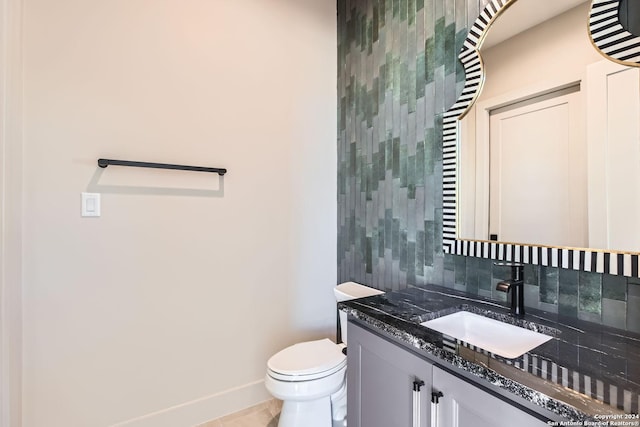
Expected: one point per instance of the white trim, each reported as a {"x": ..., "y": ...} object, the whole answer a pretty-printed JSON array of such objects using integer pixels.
[
  {"x": 11, "y": 213},
  {"x": 205, "y": 408}
]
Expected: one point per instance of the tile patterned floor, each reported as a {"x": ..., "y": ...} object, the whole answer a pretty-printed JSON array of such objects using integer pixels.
[{"x": 265, "y": 414}]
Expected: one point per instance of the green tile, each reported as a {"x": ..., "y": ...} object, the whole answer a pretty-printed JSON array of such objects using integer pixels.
[
  {"x": 439, "y": 48},
  {"x": 382, "y": 160},
  {"x": 411, "y": 90},
  {"x": 395, "y": 245},
  {"x": 531, "y": 274},
  {"x": 403, "y": 10},
  {"x": 404, "y": 83},
  {"x": 389, "y": 72},
  {"x": 568, "y": 293},
  {"x": 411, "y": 177},
  {"x": 369, "y": 182},
  {"x": 374, "y": 99},
  {"x": 402, "y": 248},
  {"x": 382, "y": 82},
  {"x": 472, "y": 275},
  {"x": 590, "y": 292},
  {"x": 420, "y": 251},
  {"x": 375, "y": 166},
  {"x": 549, "y": 285},
  {"x": 369, "y": 37},
  {"x": 375, "y": 23},
  {"x": 437, "y": 152},
  {"x": 614, "y": 313},
  {"x": 397, "y": 78},
  {"x": 437, "y": 235},
  {"x": 362, "y": 43},
  {"x": 460, "y": 265},
  {"x": 450, "y": 263},
  {"x": 411, "y": 12},
  {"x": 614, "y": 287},
  {"x": 395, "y": 166},
  {"x": 450, "y": 57},
  {"x": 429, "y": 148},
  {"x": 420, "y": 75},
  {"x": 411, "y": 264},
  {"x": 388, "y": 229},
  {"x": 389, "y": 153},
  {"x": 484, "y": 274},
  {"x": 429, "y": 60},
  {"x": 429, "y": 239},
  {"x": 403, "y": 166},
  {"x": 420, "y": 163},
  {"x": 352, "y": 156}
]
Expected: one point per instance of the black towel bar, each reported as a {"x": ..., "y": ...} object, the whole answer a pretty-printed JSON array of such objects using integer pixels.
[{"x": 103, "y": 163}]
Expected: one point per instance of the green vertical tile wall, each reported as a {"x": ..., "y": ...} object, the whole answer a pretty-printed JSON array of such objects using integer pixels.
[
  {"x": 397, "y": 74},
  {"x": 395, "y": 59}
]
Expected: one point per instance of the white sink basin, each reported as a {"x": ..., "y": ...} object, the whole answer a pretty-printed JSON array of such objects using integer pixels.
[{"x": 492, "y": 335}]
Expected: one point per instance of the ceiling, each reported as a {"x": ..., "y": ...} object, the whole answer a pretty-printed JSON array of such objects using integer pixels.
[{"x": 524, "y": 14}]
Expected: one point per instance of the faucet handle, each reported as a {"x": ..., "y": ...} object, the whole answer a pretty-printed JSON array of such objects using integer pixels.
[
  {"x": 515, "y": 285},
  {"x": 503, "y": 286}
]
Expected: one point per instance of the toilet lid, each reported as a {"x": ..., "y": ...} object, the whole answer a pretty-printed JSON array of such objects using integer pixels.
[{"x": 307, "y": 358}]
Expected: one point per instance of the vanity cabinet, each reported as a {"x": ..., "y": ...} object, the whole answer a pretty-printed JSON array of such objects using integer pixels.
[
  {"x": 463, "y": 404},
  {"x": 386, "y": 384},
  {"x": 389, "y": 385}
]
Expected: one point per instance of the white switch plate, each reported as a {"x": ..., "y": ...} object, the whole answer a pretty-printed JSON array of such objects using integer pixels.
[{"x": 90, "y": 204}]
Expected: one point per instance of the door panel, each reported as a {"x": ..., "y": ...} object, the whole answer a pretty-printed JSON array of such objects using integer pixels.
[
  {"x": 464, "y": 405},
  {"x": 534, "y": 204},
  {"x": 613, "y": 118},
  {"x": 380, "y": 378}
]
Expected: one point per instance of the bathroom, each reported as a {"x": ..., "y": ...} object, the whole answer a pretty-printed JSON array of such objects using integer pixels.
[{"x": 165, "y": 309}]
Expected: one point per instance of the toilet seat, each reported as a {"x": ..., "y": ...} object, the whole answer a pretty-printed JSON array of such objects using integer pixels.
[{"x": 307, "y": 361}]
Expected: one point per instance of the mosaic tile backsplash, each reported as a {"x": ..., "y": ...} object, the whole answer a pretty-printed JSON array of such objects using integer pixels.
[{"x": 397, "y": 74}]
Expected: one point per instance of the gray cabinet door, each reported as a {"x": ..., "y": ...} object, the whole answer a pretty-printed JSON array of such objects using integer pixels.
[
  {"x": 380, "y": 383},
  {"x": 463, "y": 404}
]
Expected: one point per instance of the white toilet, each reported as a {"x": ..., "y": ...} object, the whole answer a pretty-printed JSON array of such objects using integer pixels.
[{"x": 310, "y": 377}]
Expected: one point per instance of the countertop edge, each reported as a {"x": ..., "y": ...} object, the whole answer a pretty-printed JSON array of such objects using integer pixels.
[{"x": 477, "y": 373}]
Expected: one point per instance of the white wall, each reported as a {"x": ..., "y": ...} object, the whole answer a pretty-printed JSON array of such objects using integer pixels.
[
  {"x": 164, "y": 311},
  {"x": 10, "y": 213},
  {"x": 557, "y": 49}
]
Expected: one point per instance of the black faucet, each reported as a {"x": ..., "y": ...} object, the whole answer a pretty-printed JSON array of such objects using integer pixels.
[{"x": 516, "y": 286}]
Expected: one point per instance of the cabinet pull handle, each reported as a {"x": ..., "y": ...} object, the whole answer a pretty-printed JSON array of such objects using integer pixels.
[
  {"x": 435, "y": 400},
  {"x": 417, "y": 385}
]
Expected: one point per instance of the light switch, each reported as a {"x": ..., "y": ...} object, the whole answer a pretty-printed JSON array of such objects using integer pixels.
[{"x": 90, "y": 204}]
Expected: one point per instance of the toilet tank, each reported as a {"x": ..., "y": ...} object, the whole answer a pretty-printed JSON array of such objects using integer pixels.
[{"x": 348, "y": 291}]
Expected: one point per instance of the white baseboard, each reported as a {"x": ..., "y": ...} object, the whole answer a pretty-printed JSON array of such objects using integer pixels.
[{"x": 203, "y": 409}]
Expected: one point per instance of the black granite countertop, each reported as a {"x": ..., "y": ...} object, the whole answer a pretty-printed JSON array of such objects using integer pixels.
[{"x": 586, "y": 372}]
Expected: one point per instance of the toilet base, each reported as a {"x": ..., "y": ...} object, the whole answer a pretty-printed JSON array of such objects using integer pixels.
[{"x": 308, "y": 413}]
